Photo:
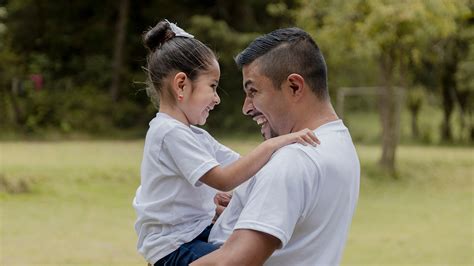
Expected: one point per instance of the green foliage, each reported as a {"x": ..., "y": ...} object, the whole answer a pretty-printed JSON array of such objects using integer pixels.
[
  {"x": 416, "y": 97},
  {"x": 464, "y": 75},
  {"x": 3, "y": 28},
  {"x": 370, "y": 29},
  {"x": 71, "y": 45},
  {"x": 80, "y": 110},
  {"x": 217, "y": 33},
  {"x": 67, "y": 111}
]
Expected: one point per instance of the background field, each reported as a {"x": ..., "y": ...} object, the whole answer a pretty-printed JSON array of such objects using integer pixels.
[{"x": 70, "y": 203}]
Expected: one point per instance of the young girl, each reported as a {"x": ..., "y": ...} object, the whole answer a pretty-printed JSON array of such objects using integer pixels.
[{"x": 173, "y": 206}]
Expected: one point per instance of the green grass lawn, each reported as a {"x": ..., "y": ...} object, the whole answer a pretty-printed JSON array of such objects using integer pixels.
[{"x": 70, "y": 203}]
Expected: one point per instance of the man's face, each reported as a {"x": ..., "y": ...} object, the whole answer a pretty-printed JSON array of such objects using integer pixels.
[{"x": 264, "y": 103}]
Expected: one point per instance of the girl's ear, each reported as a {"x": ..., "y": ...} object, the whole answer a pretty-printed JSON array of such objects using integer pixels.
[{"x": 179, "y": 82}]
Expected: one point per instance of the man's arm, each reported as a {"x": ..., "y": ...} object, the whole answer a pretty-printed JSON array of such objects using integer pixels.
[{"x": 244, "y": 247}]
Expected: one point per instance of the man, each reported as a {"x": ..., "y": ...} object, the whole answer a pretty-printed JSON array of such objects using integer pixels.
[{"x": 298, "y": 208}]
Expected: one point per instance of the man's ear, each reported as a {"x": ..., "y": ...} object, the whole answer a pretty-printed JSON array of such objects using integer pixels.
[
  {"x": 296, "y": 85},
  {"x": 179, "y": 82}
]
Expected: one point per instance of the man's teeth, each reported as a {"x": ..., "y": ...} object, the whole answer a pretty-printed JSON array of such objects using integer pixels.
[{"x": 261, "y": 121}]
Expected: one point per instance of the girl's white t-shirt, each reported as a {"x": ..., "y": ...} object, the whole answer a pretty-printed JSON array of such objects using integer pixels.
[{"x": 173, "y": 207}]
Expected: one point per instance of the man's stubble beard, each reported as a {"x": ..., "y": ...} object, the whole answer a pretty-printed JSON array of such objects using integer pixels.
[{"x": 269, "y": 133}]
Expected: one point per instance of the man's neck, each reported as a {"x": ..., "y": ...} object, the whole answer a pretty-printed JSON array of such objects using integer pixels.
[{"x": 312, "y": 118}]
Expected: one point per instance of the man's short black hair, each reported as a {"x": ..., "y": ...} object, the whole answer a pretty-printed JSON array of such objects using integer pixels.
[{"x": 286, "y": 51}]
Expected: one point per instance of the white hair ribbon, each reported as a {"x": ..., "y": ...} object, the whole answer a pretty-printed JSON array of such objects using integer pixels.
[{"x": 178, "y": 31}]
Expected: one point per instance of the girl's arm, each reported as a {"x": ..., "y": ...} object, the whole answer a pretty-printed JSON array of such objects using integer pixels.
[{"x": 228, "y": 177}]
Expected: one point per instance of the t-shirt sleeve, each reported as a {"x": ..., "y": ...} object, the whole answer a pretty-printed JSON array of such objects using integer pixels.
[
  {"x": 224, "y": 155},
  {"x": 279, "y": 198},
  {"x": 191, "y": 159}
]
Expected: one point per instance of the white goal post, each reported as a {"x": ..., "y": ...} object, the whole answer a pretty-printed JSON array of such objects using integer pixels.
[{"x": 343, "y": 92}]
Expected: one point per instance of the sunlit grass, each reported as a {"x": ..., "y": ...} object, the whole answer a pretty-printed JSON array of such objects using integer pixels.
[
  {"x": 424, "y": 217},
  {"x": 76, "y": 207}
]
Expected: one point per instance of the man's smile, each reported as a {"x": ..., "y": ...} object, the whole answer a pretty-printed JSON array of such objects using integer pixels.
[{"x": 262, "y": 121}]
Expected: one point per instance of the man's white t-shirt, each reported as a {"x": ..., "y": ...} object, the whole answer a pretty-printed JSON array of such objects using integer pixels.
[
  {"x": 173, "y": 207},
  {"x": 305, "y": 196}
]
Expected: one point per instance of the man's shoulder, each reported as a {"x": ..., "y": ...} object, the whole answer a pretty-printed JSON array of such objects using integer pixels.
[
  {"x": 295, "y": 162},
  {"x": 296, "y": 151}
]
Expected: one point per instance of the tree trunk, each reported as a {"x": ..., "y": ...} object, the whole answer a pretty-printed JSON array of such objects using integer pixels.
[
  {"x": 18, "y": 114},
  {"x": 389, "y": 105},
  {"x": 117, "y": 66},
  {"x": 471, "y": 133},
  {"x": 462, "y": 98},
  {"x": 414, "y": 110},
  {"x": 448, "y": 106},
  {"x": 448, "y": 87}
]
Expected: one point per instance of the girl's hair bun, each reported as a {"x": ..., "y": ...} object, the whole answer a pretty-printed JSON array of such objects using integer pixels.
[{"x": 158, "y": 35}]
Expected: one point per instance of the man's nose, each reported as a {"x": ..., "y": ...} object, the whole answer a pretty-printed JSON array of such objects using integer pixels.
[
  {"x": 217, "y": 99},
  {"x": 248, "y": 107}
]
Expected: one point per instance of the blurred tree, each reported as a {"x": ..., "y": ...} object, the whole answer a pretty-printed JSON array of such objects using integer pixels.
[
  {"x": 465, "y": 78},
  {"x": 415, "y": 99},
  {"x": 3, "y": 103},
  {"x": 449, "y": 54},
  {"x": 424, "y": 76},
  {"x": 69, "y": 35},
  {"x": 11, "y": 113},
  {"x": 388, "y": 32},
  {"x": 449, "y": 57},
  {"x": 120, "y": 31},
  {"x": 438, "y": 69}
]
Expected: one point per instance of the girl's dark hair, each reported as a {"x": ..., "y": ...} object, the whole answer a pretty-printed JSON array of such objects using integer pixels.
[{"x": 168, "y": 53}]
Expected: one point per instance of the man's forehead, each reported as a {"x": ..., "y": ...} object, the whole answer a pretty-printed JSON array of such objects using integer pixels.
[
  {"x": 251, "y": 68},
  {"x": 250, "y": 73}
]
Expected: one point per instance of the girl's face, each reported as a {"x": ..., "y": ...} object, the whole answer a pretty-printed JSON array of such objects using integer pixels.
[{"x": 202, "y": 96}]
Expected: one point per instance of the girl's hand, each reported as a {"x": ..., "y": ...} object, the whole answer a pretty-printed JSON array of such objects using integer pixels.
[
  {"x": 304, "y": 137},
  {"x": 221, "y": 199}
]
